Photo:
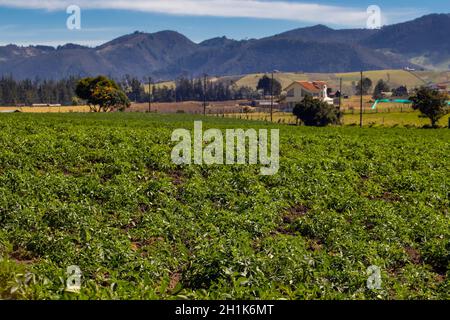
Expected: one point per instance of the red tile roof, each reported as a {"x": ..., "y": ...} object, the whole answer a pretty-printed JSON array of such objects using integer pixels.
[{"x": 315, "y": 86}]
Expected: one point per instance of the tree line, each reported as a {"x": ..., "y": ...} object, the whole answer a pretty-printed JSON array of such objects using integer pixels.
[
  {"x": 27, "y": 92},
  {"x": 185, "y": 89},
  {"x": 380, "y": 88}
]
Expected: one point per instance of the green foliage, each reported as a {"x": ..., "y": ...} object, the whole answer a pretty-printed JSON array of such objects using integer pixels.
[
  {"x": 134, "y": 89},
  {"x": 401, "y": 91},
  {"x": 381, "y": 87},
  {"x": 186, "y": 89},
  {"x": 28, "y": 92},
  {"x": 102, "y": 94},
  {"x": 366, "y": 86},
  {"x": 314, "y": 112},
  {"x": 431, "y": 103},
  {"x": 140, "y": 227},
  {"x": 268, "y": 86}
]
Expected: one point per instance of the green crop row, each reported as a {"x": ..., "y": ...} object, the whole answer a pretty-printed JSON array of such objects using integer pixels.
[{"x": 100, "y": 191}]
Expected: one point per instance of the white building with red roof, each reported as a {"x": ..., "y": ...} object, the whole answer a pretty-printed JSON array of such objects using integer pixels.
[{"x": 298, "y": 90}]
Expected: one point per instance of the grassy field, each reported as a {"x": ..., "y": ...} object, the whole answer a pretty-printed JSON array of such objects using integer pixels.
[
  {"x": 48, "y": 109},
  {"x": 192, "y": 107},
  {"x": 99, "y": 191},
  {"x": 353, "y": 103},
  {"x": 388, "y": 113},
  {"x": 395, "y": 78},
  {"x": 388, "y": 119}
]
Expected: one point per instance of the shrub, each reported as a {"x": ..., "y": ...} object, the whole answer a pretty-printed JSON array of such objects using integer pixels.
[
  {"x": 102, "y": 94},
  {"x": 431, "y": 103},
  {"x": 313, "y": 112}
]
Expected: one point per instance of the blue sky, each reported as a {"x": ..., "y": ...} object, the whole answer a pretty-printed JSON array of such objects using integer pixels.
[{"x": 44, "y": 22}]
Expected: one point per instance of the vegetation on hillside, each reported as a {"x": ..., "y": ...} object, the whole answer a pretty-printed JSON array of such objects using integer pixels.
[
  {"x": 269, "y": 86},
  {"x": 401, "y": 91},
  {"x": 365, "y": 87},
  {"x": 380, "y": 87}
]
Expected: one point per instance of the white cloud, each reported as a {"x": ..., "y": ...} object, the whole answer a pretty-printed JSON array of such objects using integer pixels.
[{"x": 270, "y": 9}]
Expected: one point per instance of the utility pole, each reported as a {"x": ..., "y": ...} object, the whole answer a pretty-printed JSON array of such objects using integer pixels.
[
  {"x": 361, "y": 102},
  {"x": 340, "y": 94},
  {"x": 204, "y": 93},
  {"x": 271, "y": 99},
  {"x": 149, "y": 94},
  {"x": 174, "y": 89}
]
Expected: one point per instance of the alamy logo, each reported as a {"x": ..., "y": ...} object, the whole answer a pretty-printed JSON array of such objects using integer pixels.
[
  {"x": 374, "y": 280},
  {"x": 374, "y": 17},
  {"x": 74, "y": 20},
  {"x": 191, "y": 149},
  {"x": 73, "y": 283}
]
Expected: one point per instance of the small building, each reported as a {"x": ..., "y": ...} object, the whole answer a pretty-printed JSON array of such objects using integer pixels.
[
  {"x": 264, "y": 103},
  {"x": 298, "y": 90},
  {"x": 46, "y": 105},
  {"x": 441, "y": 87}
]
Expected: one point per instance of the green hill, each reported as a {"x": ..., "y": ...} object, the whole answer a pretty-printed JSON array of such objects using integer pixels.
[{"x": 395, "y": 78}]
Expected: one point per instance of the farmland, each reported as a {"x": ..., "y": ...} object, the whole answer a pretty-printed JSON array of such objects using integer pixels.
[
  {"x": 99, "y": 191},
  {"x": 392, "y": 118},
  {"x": 386, "y": 114},
  {"x": 393, "y": 77},
  {"x": 62, "y": 109}
]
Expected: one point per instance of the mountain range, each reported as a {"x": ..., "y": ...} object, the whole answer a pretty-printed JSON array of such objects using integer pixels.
[{"x": 421, "y": 43}]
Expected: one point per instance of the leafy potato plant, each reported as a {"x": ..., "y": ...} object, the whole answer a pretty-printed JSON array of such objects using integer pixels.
[{"x": 99, "y": 191}]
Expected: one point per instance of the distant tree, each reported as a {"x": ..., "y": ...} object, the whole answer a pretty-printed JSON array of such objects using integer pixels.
[
  {"x": 239, "y": 93},
  {"x": 401, "y": 91},
  {"x": 314, "y": 112},
  {"x": 366, "y": 85},
  {"x": 27, "y": 91},
  {"x": 137, "y": 91},
  {"x": 134, "y": 88},
  {"x": 381, "y": 87},
  {"x": 102, "y": 94},
  {"x": 265, "y": 84},
  {"x": 431, "y": 103}
]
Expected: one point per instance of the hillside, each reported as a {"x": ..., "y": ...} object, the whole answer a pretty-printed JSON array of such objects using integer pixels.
[
  {"x": 423, "y": 41},
  {"x": 282, "y": 54},
  {"x": 429, "y": 33},
  {"x": 394, "y": 78},
  {"x": 164, "y": 55},
  {"x": 321, "y": 33}
]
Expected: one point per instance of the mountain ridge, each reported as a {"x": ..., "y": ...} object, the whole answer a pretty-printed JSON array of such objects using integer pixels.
[{"x": 168, "y": 54}]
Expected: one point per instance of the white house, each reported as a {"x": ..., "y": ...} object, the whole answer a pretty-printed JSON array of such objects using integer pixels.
[{"x": 298, "y": 90}]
